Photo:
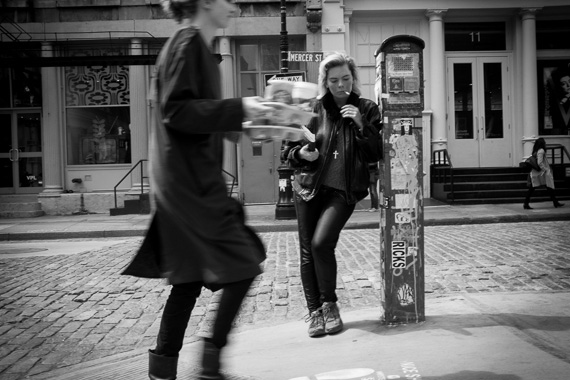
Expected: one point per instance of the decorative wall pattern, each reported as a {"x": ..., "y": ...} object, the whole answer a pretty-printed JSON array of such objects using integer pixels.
[{"x": 97, "y": 85}]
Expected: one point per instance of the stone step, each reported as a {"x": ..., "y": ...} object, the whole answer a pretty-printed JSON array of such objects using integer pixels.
[
  {"x": 21, "y": 214},
  {"x": 20, "y": 206}
]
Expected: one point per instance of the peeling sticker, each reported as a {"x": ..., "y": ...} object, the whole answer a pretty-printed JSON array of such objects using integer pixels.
[{"x": 405, "y": 295}]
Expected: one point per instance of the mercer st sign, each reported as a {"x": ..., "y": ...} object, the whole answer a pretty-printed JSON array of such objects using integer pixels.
[{"x": 305, "y": 56}]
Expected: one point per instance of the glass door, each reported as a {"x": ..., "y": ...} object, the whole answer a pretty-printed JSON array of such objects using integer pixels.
[
  {"x": 479, "y": 123},
  {"x": 21, "y": 157}
]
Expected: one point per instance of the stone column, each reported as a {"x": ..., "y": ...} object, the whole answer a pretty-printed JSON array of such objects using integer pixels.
[
  {"x": 52, "y": 126},
  {"x": 529, "y": 83},
  {"x": 436, "y": 82},
  {"x": 138, "y": 88}
]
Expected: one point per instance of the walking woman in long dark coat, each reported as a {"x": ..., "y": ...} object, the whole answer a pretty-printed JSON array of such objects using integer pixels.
[{"x": 197, "y": 237}]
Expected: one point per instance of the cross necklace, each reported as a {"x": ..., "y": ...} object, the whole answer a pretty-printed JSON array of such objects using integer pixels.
[{"x": 336, "y": 153}]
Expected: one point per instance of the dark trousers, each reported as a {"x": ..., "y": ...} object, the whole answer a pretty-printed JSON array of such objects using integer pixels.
[
  {"x": 549, "y": 191},
  {"x": 320, "y": 222},
  {"x": 178, "y": 309}
]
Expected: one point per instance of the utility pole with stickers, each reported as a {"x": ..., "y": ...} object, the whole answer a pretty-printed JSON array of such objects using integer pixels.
[{"x": 400, "y": 92}]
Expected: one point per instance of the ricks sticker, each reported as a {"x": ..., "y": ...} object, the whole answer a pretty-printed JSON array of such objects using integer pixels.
[{"x": 398, "y": 254}]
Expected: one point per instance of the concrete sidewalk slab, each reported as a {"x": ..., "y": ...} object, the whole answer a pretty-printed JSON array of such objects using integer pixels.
[
  {"x": 465, "y": 337},
  {"x": 499, "y": 336}
]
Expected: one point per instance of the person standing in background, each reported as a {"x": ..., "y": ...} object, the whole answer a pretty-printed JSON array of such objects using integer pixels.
[
  {"x": 197, "y": 237},
  {"x": 540, "y": 178}
]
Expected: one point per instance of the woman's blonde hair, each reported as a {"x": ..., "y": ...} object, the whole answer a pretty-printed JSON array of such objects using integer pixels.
[
  {"x": 334, "y": 60},
  {"x": 180, "y": 9}
]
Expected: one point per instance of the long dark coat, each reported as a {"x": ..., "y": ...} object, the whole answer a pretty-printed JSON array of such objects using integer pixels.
[{"x": 197, "y": 233}]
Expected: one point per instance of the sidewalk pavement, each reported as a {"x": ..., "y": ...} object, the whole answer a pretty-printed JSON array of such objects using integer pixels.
[
  {"x": 262, "y": 219},
  {"x": 466, "y": 336},
  {"x": 499, "y": 336}
]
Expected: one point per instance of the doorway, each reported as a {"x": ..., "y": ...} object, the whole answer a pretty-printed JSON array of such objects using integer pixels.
[
  {"x": 259, "y": 162},
  {"x": 21, "y": 157},
  {"x": 479, "y": 109}
]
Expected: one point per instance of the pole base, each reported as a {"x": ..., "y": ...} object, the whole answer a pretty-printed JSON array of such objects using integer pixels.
[{"x": 285, "y": 212}]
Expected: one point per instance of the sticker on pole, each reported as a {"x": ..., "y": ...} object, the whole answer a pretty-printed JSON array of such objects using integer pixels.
[{"x": 398, "y": 254}]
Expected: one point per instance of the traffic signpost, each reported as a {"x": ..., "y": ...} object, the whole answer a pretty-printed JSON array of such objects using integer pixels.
[{"x": 298, "y": 76}]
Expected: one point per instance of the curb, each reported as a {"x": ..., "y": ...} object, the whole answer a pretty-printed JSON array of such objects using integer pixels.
[{"x": 286, "y": 227}]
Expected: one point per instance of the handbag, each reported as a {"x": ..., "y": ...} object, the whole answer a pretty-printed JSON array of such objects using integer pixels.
[{"x": 532, "y": 163}]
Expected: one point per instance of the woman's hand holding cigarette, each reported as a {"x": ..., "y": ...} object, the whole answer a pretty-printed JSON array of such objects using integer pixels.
[{"x": 352, "y": 112}]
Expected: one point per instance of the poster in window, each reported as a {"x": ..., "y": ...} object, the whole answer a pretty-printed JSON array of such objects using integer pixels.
[{"x": 554, "y": 97}]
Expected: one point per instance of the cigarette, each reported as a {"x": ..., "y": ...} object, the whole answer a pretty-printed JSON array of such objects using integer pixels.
[{"x": 347, "y": 93}]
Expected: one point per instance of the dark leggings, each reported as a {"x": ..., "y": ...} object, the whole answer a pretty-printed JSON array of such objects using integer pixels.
[
  {"x": 549, "y": 191},
  {"x": 178, "y": 309},
  {"x": 320, "y": 222}
]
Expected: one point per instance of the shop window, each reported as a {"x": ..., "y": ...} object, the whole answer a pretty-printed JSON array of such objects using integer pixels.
[
  {"x": 475, "y": 36},
  {"x": 5, "y": 101},
  {"x": 97, "y": 115},
  {"x": 20, "y": 87},
  {"x": 554, "y": 97}
]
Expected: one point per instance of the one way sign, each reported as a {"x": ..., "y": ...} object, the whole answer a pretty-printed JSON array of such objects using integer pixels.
[{"x": 290, "y": 77}]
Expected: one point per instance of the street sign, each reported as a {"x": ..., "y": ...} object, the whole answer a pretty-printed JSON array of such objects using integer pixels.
[
  {"x": 290, "y": 77},
  {"x": 305, "y": 56}
]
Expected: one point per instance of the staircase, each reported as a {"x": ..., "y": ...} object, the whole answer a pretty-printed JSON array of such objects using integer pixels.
[
  {"x": 138, "y": 205},
  {"x": 20, "y": 206},
  {"x": 495, "y": 185}
]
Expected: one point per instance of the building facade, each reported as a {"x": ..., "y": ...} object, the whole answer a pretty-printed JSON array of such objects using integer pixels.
[{"x": 74, "y": 79}]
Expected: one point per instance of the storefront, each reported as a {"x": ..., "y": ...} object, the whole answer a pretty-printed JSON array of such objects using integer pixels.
[{"x": 74, "y": 112}]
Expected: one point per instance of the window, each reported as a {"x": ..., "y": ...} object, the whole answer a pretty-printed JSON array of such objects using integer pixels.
[
  {"x": 20, "y": 87},
  {"x": 97, "y": 115},
  {"x": 554, "y": 97},
  {"x": 475, "y": 36},
  {"x": 259, "y": 57},
  {"x": 552, "y": 34}
]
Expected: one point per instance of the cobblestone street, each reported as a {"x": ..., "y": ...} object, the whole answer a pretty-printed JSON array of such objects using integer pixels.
[{"x": 61, "y": 310}]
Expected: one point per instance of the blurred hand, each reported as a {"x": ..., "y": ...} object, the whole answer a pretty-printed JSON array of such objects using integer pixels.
[
  {"x": 308, "y": 155},
  {"x": 253, "y": 108}
]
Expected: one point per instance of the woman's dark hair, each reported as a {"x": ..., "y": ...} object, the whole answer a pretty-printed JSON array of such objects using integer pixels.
[
  {"x": 540, "y": 143},
  {"x": 179, "y": 9}
]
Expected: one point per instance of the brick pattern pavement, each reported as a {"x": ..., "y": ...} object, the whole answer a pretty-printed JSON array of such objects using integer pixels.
[{"x": 67, "y": 309}]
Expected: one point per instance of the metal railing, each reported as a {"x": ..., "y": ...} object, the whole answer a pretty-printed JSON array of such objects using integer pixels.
[
  {"x": 126, "y": 175},
  {"x": 16, "y": 33},
  {"x": 440, "y": 166},
  {"x": 553, "y": 148},
  {"x": 234, "y": 180}
]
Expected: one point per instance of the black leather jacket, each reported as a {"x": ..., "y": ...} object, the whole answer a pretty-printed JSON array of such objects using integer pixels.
[{"x": 360, "y": 147}]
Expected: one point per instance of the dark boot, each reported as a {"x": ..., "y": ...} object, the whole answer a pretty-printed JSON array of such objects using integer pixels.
[
  {"x": 161, "y": 367},
  {"x": 210, "y": 362},
  {"x": 526, "y": 205}
]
